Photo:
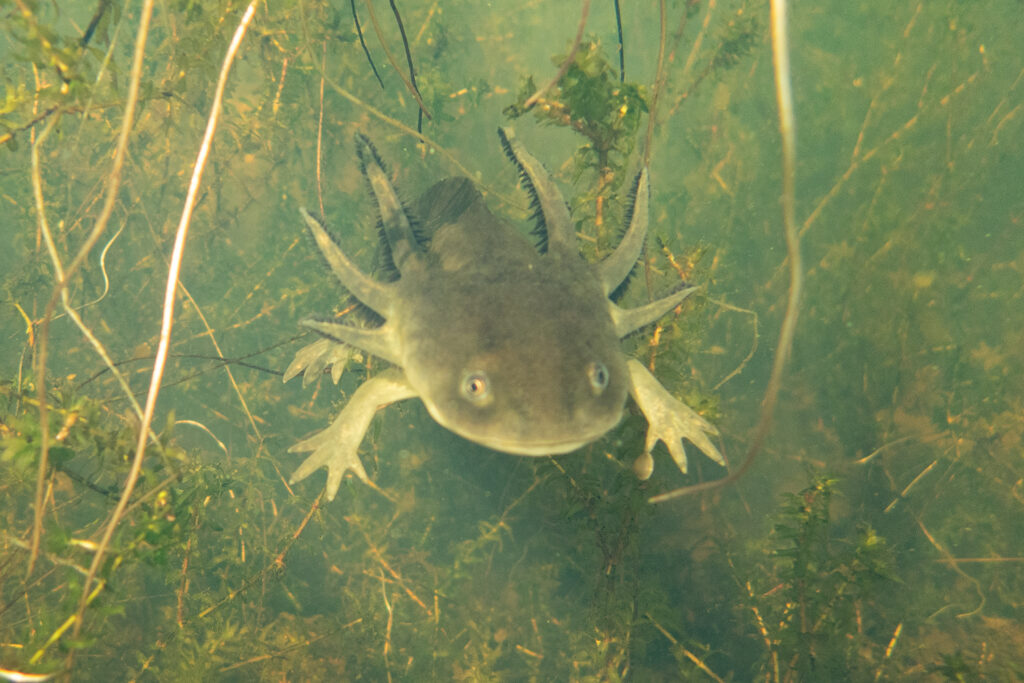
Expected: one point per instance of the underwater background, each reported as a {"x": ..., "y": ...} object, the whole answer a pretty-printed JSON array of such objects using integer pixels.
[{"x": 878, "y": 536}]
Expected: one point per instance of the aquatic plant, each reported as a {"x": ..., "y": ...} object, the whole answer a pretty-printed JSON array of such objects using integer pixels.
[{"x": 880, "y": 533}]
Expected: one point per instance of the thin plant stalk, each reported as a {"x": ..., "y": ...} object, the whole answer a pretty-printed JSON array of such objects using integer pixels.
[
  {"x": 168, "y": 309},
  {"x": 63, "y": 278},
  {"x": 659, "y": 84},
  {"x": 787, "y": 130},
  {"x": 409, "y": 85},
  {"x": 412, "y": 69},
  {"x": 362, "y": 42}
]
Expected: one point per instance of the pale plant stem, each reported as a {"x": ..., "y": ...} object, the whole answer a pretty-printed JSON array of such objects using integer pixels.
[
  {"x": 44, "y": 417},
  {"x": 58, "y": 268},
  {"x": 168, "y": 309},
  {"x": 787, "y": 131},
  {"x": 63, "y": 278}
]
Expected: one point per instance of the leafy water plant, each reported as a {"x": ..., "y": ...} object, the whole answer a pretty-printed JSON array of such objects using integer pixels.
[
  {"x": 817, "y": 601},
  {"x": 90, "y": 442},
  {"x": 591, "y": 100},
  {"x": 467, "y": 565}
]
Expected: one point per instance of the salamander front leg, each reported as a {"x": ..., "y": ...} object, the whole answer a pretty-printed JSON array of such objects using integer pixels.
[
  {"x": 337, "y": 447},
  {"x": 669, "y": 420}
]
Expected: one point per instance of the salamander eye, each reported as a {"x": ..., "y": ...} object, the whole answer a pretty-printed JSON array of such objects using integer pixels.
[
  {"x": 598, "y": 375},
  {"x": 476, "y": 387}
]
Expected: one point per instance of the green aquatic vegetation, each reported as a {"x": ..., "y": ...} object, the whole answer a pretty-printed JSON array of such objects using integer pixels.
[
  {"x": 469, "y": 565},
  {"x": 90, "y": 443},
  {"x": 955, "y": 667},
  {"x": 51, "y": 50},
  {"x": 591, "y": 100},
  {"x": 826, "y": 586}
]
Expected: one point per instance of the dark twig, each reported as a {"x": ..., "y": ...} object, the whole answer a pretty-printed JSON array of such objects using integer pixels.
[
  {"x": 93, "y": 23},
  {"x": 412, "y": 70},
  {"x": 380, "y": 36},
  {"x": 366, "y": 50},
  {"x": 219, "y": 362},
  {"x": 622, "y": 52}
]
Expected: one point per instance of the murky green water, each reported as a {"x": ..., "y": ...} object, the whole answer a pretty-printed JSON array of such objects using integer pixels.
[{"x": 877, "y": 537}]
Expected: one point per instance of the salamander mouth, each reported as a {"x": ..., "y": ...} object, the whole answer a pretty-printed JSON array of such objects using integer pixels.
[
  {"x": 522, "y": 440},
  {"x": 536, "y": 447}
]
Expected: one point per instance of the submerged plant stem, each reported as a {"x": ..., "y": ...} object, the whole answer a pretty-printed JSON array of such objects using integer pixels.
[
  {"x": 787, "y": 130},
  {"x": 168, "y": 310},
  {"x": 362, "y": 42},
  {"x": 659, "y": 84},
  {"x": 409, "y": 85},
  {"x": 64, "y": 277}
]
